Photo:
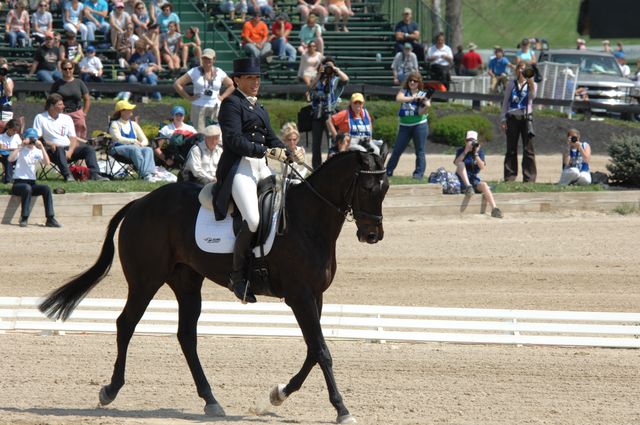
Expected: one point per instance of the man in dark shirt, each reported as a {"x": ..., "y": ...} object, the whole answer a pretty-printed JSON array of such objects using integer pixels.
[
  {"x": 407, "y": 32},
  {"x": 46, "y": 61},
  {"x": 144, "y": 67}
]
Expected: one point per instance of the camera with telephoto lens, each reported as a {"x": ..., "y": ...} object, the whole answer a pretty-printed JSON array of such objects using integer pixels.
[
  {"x": 208, "y": 92},
  {"x": 573, "y": 139},
  {"x": 528, "y": 72}
]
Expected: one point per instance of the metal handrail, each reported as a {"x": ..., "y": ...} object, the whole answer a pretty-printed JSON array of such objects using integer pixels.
[
  {"x": 422, "y": 13},
  {"x": 229, "y": 31}
]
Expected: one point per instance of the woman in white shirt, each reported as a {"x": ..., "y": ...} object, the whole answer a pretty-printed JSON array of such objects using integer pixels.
[
  {"x": 208, "y": 82},
  {"x": 309, "y": 62}
]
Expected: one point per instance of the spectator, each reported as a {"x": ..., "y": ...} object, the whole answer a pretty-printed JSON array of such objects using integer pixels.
[
  {"x": 525, "y": 54},
  {"x": 516, "y": 118},
  {"x": 255, "y": 36},
  {"x": 75, "y": 96},
  {"x": 58, "y": 132},
  {"x": 227, "y": 6},
  {"x": 404, "y": 63},
  {"x": 9, "y": 141},
  {"x": 264, "y": 6},
  {"x": 413, "y": 123},
  {"x": 18, "y": 29},
  {"x": 208, "y": 81},
  {"x": 31, "y": 152},
  {"x": 203, "y": 157},
  {"x": 41, "y": 22},
  {"x": 167, "y": 16},
  {"x": 309, "y": 64},
  {"x": 70, "y": 48},
  {"x": 324, "y": 92},
  {"x": 341, "y": 10},
  {"x": 152, "y": 41},
  {"x": 144, "y": 67},
  {"x": 581, "y": 44},
  {"x": 309, "y": 32},
  {"x": 575, "y": 160},
  {"x": 471, "y": 62},
  {"x": 291, "y": 137},
  {"x": 6, "y": 92},
  {"x": 340, "y": 144},
  {"x": 307, "y": 7},
  {"x": 191, "y": 50},
  {"x": 46, "y": 61},
  {"x": 176, "y": 127},
  {"x": 73, "y": 20},
  {"x": 281, "y": 29},
  {"x": 95, "y": 12},
  {"x": 140, "y": 18},
  {"x": 91, "y": 68},
  {"x": 619, "y": 48},
  {"x": 130, "y": 141},
  {"x": 439, "y": 58},
  {"x": 457, "y": 60},
  {"x": 171, "y": 45},
  {"x": 125, "y": 45},
  {"x": 497, "y": 69},
  {"x": 355, "y": 120},
  {"x": 606, "y": 46},
  {"x": 407, "y": 31},
  {"x": 622, "y": 63},
  {"x": 469, "y": 161},
  {"x": 118, "y": 21}
]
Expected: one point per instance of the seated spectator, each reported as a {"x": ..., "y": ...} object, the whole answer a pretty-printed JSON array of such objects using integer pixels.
[
  {"x": 255, "y": 36},
  {"x": 439, "y": 58},
  {"x": 407, "y": 31},
  {"x": 291, "y": 137},
  {"x": 575, "y": 161},
  {"x": 404, "y": 63},
  {"x": 191, "y": 49},
  {"x": 30, "y": 153},
  {"x": 341, "y": 10},
  {"x": 177, "y": 126},
  {"x": 118, "y": 21},
  {"x": 152, "y": 41},
  {"x": 281, "y": 29},
  {"x": 203, "y": 157},
  {"x": 59, "y": 135},
  {"x": 167, "y": 16},
  {"x": 91, "y": 68},
  {"x": 41, "y": 22},
  {"x": 95, "y": 14},
  {"x": 469, "y": 162},
  {"x": 75, "y": 95},
  {"x": 264, "y": 6},
  {"x": 9, "y": 141},
  {"x": 140, "y": 18},
  {"x": 497, "y": 69},
  {"x": 46, "y": 61},
  {"x": 227, "y": 6},
  {"x": 606, "y": 46},
  {"x": 143, "y": 68},
  {"x": 125, "y": 45},
  {"x": 581, "y": 44},
  {"x": 525, "y": 54},
  {"x": 307, "y": 7},
  {"x": 171, "y": 45},
  {"x": 622, "y": 63},
  {"x": 340, "y": 144},
  {"x": 309, "y": 64},
  {"x": 355, "y": 121},
  {"x": 130, "y": 142},
  {"x": 6, "y": 92},
  {"x": 309, "y": 32},
  {"x": 471, "y": 62},
  {"x": 18, "y": 28},
  {"x": 73, "y": 12},
  {"x": 70, "y": 48}
]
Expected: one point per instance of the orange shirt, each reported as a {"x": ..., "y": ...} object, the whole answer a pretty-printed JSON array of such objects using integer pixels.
[
  {"x": 340, "y": 120},
  {"x": 255, "y": 33}
]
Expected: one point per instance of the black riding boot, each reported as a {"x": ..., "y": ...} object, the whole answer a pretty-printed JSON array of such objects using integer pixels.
[{"x": 238, "y": 280}]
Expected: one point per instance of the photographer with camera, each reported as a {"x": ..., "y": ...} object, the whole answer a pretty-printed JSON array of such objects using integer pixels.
[
  {"x": 413, "y": 123},
  {"x": 324, "y": 92},
  {"x": 469, "y": 161},
  {"x": 517, "y": 122},
  {"x": 30, "y": 153},
  {"x": 575, "y": 160}
]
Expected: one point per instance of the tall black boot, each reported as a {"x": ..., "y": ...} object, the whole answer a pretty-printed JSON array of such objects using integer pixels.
[{"x": 238, "y": 280}]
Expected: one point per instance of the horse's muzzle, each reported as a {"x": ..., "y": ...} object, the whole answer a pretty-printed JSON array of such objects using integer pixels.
[{"x": 370, "y": 234}]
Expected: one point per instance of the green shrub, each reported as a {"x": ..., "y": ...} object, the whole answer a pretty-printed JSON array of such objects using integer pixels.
[
  {"x": 625, "y": 160},
  {"x": 281, "y": 112},
  {"x": 451, "y": 129},
  {"x": 386, "y": 128},
  {"x": 150, "y": 129}
]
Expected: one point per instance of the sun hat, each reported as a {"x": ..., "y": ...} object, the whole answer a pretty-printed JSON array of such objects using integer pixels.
[
  {"x": 30, "y": 133},
  {"x": 212, "y": 130},
  {"x": 472, "y": 46},
  {"x": 208, "y": 53},
  {"x": 357, "y": 97},
  {"x": 123, "y": 105},
  {"x": 472, "y": 135},
  {"x": 177, "y": 110},
  {"x": 406, "y": 10}
]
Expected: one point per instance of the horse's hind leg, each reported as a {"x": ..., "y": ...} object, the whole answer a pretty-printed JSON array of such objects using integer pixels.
[{"x": 186, "y": 284}]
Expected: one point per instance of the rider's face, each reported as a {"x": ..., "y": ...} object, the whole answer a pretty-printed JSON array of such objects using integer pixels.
[{"x": 248, "y": 84}]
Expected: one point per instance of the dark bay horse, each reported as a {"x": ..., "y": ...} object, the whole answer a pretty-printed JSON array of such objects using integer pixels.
[{"x": 157, "y": 246}]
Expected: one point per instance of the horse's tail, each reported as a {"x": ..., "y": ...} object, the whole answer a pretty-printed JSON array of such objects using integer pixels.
[{"x": 61, "y": 302}]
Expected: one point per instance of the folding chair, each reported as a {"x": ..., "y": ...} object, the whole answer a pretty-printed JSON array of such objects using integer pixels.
[{"x": 116, "y": 167}]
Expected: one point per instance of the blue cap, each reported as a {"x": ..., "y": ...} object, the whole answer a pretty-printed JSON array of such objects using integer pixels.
[
  {"x": 30, "y": 133},
  {"x": 618, "y": 54},
  {"x": 177, "y": 110},
  {"x": 91, "y": 49}
]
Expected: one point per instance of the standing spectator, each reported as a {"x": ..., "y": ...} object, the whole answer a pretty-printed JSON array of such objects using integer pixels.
[
  {"x": 75, "y": 96},
  {"x": 208, "y": 81},
  {"x": 203, "y": 157},
  {"x": 73, "y": 12},
  {"x": 413, "y": 123},
  {"x": 404, "y": 63},
  {"x": 118, "y": 21},
  {"x": 95, "y": 13},
  {"x": 191, "y": 47},
  {"x": 469, "y": 161},
  {"x": 18, "y": 29},
  {"x": 58, "y": 132},
  {"x": 457, "y": 60},
  {"x": 144, "y": 67},
  {"x": 606, "y": 46},
  {"x": 622, "y": 63},
  {"x": 341, "y": 10},
  {"x": 516, "y": 117},
  {"x": 227, "y": 6},
  {"x": 619, "y": 47},
  {"x": 309, "y": 64},
  {"x": 355, "y": 120},
  {"x": 439, "y": 57},
  {"x": 581, "y": 44},
  {"x": 140, "y": 18},
  {"x": 471, "y": 62},
  {"x": 324, "y": 92},
  {"x": 91, "y": 68},
  {"x": 167, "y": 16},
  {"x": 264, "y": 6},
  {"x": 46, "y": 61},
  {"x": 255, "y": 36},
  {"x": 407, "y": 31},
  {"x": 6, "y": 92},
  {"x": 281, "y": 29},
  {"x": 525, "y": 54},
  {"x": 9, "y": 141},
  {"x": 171, "y": 44},
  {"x": 497, "y": 69},
  {"x": 30, "y": 153},
  {"x": 309, "y": 32},
  {"x": 41, "y": 22},
  {"x": 70, "y": 48},
  {"x": 575, "y": 160},
  {"x": 306, "y": 7}
]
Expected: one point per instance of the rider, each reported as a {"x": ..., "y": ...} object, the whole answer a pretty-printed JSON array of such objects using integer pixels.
[{"x": 247, "y": 138}]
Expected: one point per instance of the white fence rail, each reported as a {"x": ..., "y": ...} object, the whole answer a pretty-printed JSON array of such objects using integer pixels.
[{"x": 368, "y": 322}]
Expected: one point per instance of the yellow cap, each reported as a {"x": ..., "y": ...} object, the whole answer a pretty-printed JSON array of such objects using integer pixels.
[
  {"x": 357, "y": 97},
  {"x": 124, "y": 105}
]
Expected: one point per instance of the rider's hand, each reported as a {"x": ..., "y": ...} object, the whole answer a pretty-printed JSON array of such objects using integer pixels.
[
  {"x": 298, "y": 156},
  {"x": 279, "y": 154}
]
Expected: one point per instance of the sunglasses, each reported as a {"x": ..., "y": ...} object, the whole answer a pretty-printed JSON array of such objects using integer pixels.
[
  {"x": 414, "y": 81},
  {"x": 67, "y": 69}
]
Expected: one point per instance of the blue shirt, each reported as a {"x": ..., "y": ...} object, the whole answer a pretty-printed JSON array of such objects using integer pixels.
[
  {"x": 163, "y": 21},
  {"x": 405, "y": 28},
  {"x": 499, "y": 66},
  {"x": 100, "y": 6},
  {"x": 470, "y": 164}
]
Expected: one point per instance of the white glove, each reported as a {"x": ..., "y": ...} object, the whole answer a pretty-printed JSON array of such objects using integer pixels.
[
  {"x": 279, "y": 154},
  {"x": 298, "y": 156}
]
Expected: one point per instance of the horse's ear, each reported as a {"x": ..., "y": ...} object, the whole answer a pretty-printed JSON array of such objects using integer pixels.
[{"x": 384, "y": 152}]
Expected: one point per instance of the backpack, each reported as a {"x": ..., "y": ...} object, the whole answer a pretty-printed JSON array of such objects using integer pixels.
[{"x": 448, "y": 180}]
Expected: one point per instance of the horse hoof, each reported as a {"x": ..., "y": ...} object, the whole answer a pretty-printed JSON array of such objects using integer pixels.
[
  {"x": 277, "y": 395},
  {"x": 104, "y": 397},
  {"x": 214, "y": 410},
  {"x": 346, "y": 419}
]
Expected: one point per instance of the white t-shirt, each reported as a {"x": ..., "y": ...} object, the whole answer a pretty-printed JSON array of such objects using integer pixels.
[
  {"x": 11, "y": 142},
  {"x": 170, "y": 128},
  {"x": 26, "y": 163},
  {"x": 56, "y": 131},
  {"x": 94, "y": 64},
  {"x": 200, "y": 85},
  {"x": 440, "y": 54}
]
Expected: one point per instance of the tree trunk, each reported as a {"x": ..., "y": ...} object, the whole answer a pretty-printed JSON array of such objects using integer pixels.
[
  {"x": 454, "y": 19},
  {"x": 436, "y": 23}
]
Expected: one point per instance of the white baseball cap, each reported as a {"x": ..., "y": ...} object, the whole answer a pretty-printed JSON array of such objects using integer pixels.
[{"x": 472, "y": 135}]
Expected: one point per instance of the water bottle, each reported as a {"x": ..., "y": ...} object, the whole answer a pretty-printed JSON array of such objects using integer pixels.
[
  {"x": 114, "y": 73},
  {"x": 378, "y": 57}
]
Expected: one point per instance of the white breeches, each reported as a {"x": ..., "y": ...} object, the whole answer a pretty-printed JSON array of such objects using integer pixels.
[
  {"x": 244, "y": 189},
  {"x": 574, "y": 176}
]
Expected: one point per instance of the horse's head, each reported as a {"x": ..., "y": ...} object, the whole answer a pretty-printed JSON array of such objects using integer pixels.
[{"x": 370, "y": 187}]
